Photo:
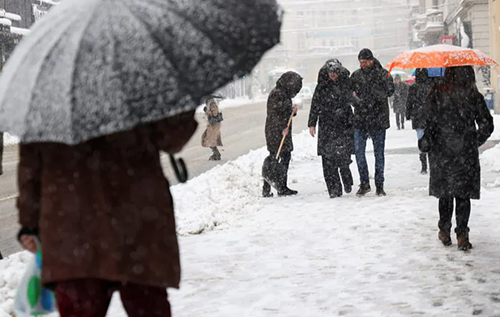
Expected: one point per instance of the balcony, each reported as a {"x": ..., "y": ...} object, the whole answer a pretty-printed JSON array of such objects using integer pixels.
[{"x": 430, "y": 24}]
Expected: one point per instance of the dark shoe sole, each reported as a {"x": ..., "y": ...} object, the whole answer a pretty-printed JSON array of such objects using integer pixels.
[
  {"x": 363, "y": 194},
  {"x": 268, "y": 195}
]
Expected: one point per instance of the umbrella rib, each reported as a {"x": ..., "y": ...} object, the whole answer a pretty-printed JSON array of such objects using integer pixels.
[{"x": 73, "y": 75}]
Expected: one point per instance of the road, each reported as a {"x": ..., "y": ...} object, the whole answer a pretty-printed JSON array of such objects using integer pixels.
[{"x": 242, "y": 131}]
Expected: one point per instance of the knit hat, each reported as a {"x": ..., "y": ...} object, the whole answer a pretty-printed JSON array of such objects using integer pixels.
[{"x": 365, "y": 54}]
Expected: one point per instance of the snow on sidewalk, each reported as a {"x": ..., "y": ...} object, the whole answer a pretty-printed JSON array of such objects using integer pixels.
[{"x": 309, "y": 255}]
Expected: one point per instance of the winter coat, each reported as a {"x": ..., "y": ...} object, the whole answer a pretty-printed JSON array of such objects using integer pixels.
[
  {"x": 212, "y": 136},
  {"x": 454, "y": 140},
  {"x": 279, "y": 110},
  {"x": 103, "y": 208},
  {"x": 331, "y": 110},
  {"x": 417, "y": 98},
  {"x": 373, "y": 87},
  {"x": 400, "y": 97}
]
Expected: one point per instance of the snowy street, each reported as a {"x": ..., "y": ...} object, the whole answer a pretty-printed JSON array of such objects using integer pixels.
[{"x": 310, "y": 255}]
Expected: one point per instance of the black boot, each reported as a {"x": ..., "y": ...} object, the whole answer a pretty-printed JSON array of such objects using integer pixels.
[
  {"x": 216, "y": 154},
  {"x": 363, "y": 189},
  {"x": 380, "y": 190},
  {"x": 287, "y": 192},
  {"x": 423, "y": 160},
  {"x": 266, "y": 190}
]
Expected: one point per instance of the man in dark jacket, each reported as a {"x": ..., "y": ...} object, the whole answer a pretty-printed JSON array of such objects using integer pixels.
[
  {"x": 331, "y": 110},
  {"x": 416, "y": 109},
  {"x": 399, "y": 104},
  {"x": 371, "y": 85},
  {"x": 279, "y": 111}
]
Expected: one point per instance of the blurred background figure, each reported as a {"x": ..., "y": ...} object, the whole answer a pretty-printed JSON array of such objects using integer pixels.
[
  {"x": 212, "y": 136},
  {"x": 399, "y": 101},
  {"x": 416, "y": 109}
]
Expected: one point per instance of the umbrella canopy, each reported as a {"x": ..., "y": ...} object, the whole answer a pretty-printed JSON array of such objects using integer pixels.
[
  {"x": 440, "y": 56},
  {"x": 96, "y": 67}
]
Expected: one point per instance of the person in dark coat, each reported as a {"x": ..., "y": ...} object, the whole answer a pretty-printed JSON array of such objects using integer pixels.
[
  {"x": 279, "y": 110},
  {"x": 331, "y": 110},
  {"x": 458, "y": 123},
  {"x": 372, "y": 86},
  {"x": 104, "y": 215},
  {"x": 416, "y": 109},
  {"x": 399, "y": 104}
]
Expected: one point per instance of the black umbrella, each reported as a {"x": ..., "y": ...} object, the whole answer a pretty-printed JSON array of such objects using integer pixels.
[{"x": 96, "y": 67}]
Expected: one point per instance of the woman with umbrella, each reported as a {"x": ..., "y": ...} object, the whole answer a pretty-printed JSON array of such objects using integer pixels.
[
  {"x": 458, "y": 123},
  {"x": 331, "y": 110},
  {"x": 94, "y": 98}
]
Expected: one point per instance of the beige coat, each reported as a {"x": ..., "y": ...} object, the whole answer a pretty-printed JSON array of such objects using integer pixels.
[
  {"x": 212, "y": 136},
  {"x": 103, "y": 208}
]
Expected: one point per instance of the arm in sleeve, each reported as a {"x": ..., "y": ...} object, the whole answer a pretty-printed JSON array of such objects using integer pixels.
[
  {"x": 171, "y": 134},
  {"x": 484, "y": 121},
  {"x": 410, "y": 104},
  {"x": 390, "y": 84},
  {"x": 314, "y": 112},
  {"x": 29, "y": 186}
]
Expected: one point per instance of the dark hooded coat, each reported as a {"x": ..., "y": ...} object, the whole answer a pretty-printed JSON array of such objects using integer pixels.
[
  {"x": 416, "y": 110},
  {"x": 279, "y": 110},
  {"x": 373, "y": 87},
  {"x": 331, "y": 110},
  {"x": 458, "y": 123},
  {"x": 400, "y": 97}
]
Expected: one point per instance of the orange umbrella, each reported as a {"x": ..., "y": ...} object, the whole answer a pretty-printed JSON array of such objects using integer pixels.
[{"x": 440, "y": 55}]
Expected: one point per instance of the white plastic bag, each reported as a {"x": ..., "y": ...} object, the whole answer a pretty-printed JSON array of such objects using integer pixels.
[{"x": 32, "y": 299}]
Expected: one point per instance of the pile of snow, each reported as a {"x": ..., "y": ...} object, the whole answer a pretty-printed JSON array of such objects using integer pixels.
[{"x": 9, "y": 139}]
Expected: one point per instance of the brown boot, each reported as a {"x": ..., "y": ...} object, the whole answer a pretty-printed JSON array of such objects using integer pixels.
[
  {"x": 463, "y": 241},
  {"x": 445, "y": 238}
]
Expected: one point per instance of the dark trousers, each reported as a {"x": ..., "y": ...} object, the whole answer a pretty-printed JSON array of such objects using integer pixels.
[
  {"x": 332, "y": 178},
  {"x": 378, "y": 138},
  {"x": 91, "y": 298},
  {"x": 284, "y": 159},
  {"x": 400, "y": 120},
  {"x": 462, "y": 214}
]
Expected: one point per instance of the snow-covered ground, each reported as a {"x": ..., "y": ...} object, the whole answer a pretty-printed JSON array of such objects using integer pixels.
[{"x": 310, "y": 255}]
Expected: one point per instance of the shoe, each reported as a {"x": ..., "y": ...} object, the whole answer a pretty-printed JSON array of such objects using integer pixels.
[
  {"x": 348, "y": 189},
  {"x": 333, "y": 195},
  {"x": 267, "y": 194},
  {"x": 380, "y": 190},
  {"x": 214, "y": 158},
  {"x": 445, "y": 238},
  {"x": 463, "y": 241},
  {"x": 266, "y": 190},
  {"x": 423, "y": 172},
  {"x": 363, "y": 190},
  {"x": 287, "y": 192}
]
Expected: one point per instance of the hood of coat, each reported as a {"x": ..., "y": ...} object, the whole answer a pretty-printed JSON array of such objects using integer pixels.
[
  {"x": 291, "y": 83},
  {"x": 332, "y": 65},
  {"x": 421, "y": 76}
]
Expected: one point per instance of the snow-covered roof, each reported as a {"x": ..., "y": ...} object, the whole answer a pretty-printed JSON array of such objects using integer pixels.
[
  {"x": 19, "y": 31},
  {"x": 5, "y": 21},
  {"x": 49, "y": 2}
]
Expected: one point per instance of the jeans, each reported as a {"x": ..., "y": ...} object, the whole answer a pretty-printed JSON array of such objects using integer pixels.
[{"x": 378, "y": 139}]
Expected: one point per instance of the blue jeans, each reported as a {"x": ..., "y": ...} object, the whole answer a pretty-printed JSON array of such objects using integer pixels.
[{"x": 378, "y": 138}]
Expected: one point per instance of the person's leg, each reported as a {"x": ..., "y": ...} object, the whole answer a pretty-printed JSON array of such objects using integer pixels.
[
  {"x": 328, "y": 173},
  {"x": 216, "y": 154},
  {"x": 378, "y": 138},
  {"x": 285, "y": 158},
  {"x": 444, "y": 224},
  {"x": 141, "y": 300},
  {"x": 345, "y": 173},
  {"x": 397, "y": 121},
  {"x": 360, "y": 137},
  {"x": 83, "y": 297},
  {"x": 403, "y": 118},
  {"x": 462, "y": 214}
]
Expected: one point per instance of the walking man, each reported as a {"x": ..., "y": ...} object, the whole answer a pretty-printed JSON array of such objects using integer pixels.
[{"x": 372, "y": 86}]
